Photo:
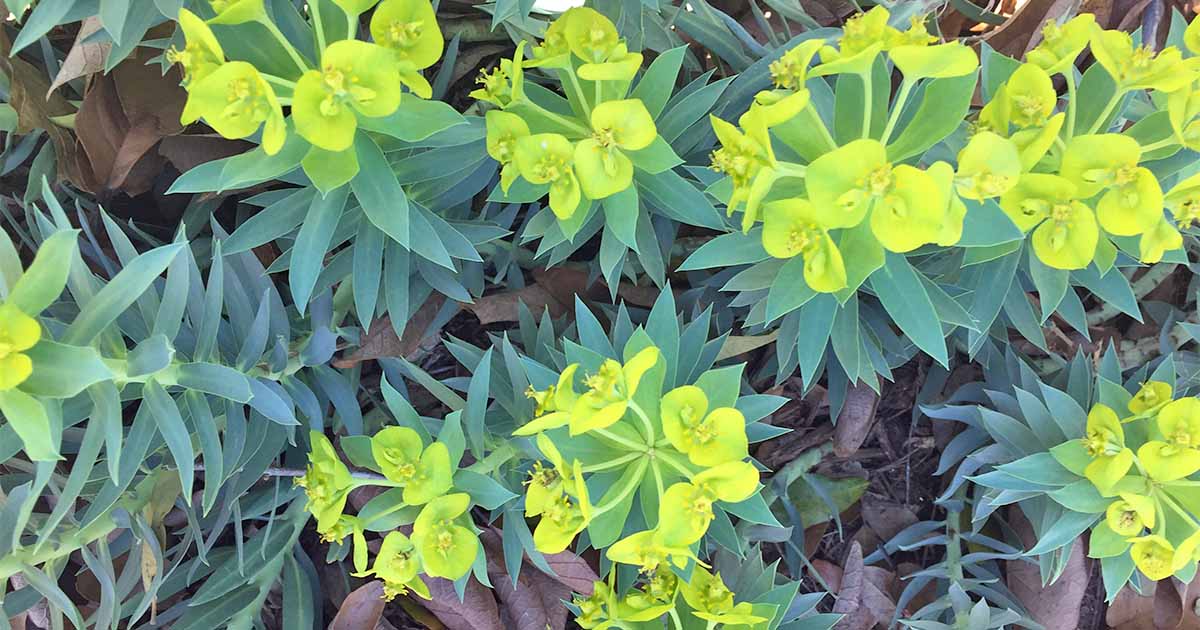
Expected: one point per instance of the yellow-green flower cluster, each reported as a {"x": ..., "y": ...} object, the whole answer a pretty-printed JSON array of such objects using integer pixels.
[
  {"x": 443, "y": 541},
  {"x": 854, "y": 184},
  {"x": 683, "y": 438},
  {"x": 1080, "y": 186},
  {"x": 582, "y": 156},
  {"x": 1147, "y": 482},
  {"x": 709, "y": 599},
  {"x": 351, "y": 78}
]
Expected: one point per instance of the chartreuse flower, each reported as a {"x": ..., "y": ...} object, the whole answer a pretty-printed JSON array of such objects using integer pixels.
[
  {"x": 1153, "y": 556},
  {"x": 863, "y": 37},
  {"x": 790, "y": 71},
  {"x": 546, "y": 484},
  {"x": 497, "y": 84},
  {"x": 712, "y": 601},
  {"x": 18, "y": 332},
  {"x": 1133, "y": 202},
  {"x": 447, "y": 549},
  {"x": 598, "y": 609},
  {"x": 617, "y": 126},
  {"x": 955, "y": 210},
  {"x": 356, "y": 78},
  {"x": 648, "y": 552},
  {"x": 1191, "y": 37},
  {"x": 1168, "y": 461},
  {"x": 1061, "y": 44},
  {"x": 201, "y": 53},
  {"x": 503, "y": 131},
  {"x": 237, "y": 11},
  {"x": 988, "y": 166},
  {"x": 1034, "y": 142},
  {"x": 594, "y": 39},
  {"x": 685, "y": 510},
  {"x": 1130, "y": 515},
  {"x": 548, "y": 158},
  {"x": 1140, "y": 67},
  {"x": 397, "y": 564},
  {"x": 651, "y": 600},
  {"x": 326, "y": 482},
  {"x": 410, "y": 29},
  {"x": 1104, "y": 442},
  {"x": 790, "y": 229},
  {"x": 1158, "y": 240},
  {"x": 1152, "y": 396},
  {"x": 1066, "y": 233},
  {"x": 707, "y": 438},
  {"x": 1031, "y": 96},
  {"x": 1183, "y": 200},
  {"x": 934, "y": 62},
  {"x": 609, "y": 392},
  {"x": 235, "y": 101},
  {"x": 553, "y": 51},
  {"x": 553, "y": 405},
  {"x": 906, "y": 206},
  {"x": 423, "y": 473},
  {"x": 749, "y": 162},
  {"x": 1187, "y": 552},
  {"x": 564, "y": 516}
]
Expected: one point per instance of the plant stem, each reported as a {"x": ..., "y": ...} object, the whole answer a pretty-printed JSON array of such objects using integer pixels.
[
  {"x": 819, "y": 124},
  {"x": 658, "y": 482},
  {"x": 866, "y": 124},
  {"x": 1176, "y": 508},
  {"x": 301, "y": 64},
  {"x": 280, "y": 81},
  {"x": 620, "y": 461},
  {"x": 587, "y": 107},
  {"x": 351, "y": 26},
  {"x": 627, "y": 443},
  {"x": 901, "y": 99},
  {"x": 675, "y": 618},
  {"x": 646, "y": 424},
  {"x": 630, "y": 486},
  {"x": 673, "y": 463},
  {"x": 1069, "y": 127},
  {"x": 1108, "y": 110},
  {"x": 315, "y": 9},
  {"x": 1165, "y": 142}
]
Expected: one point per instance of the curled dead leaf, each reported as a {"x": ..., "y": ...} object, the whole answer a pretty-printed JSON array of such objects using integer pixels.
[
  {"x": 854, "y": 421},
  {"x": 85, "y": 57},
  {"x": 362, "y": 609},
  {"x": 1056, "y": 606}
]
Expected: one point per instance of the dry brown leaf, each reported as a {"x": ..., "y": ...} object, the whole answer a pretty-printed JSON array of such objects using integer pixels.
[
  {"x": 1056, "y": 606},
  {"x": 362, "y": 609},
  {"x": 124, "y": 114},
  {"x": 1164, "y": 606},
  {"x": 573, "y": 572},
  {"x": 735, "y": 344},
  {"x": 886, "y": 518},
  {"x": 381, "y": 340},
  {"x": 85, "y": 57},
  {"x": 503, "y": 307},
  {"x": 535, "y": 602},
  {"x": 189, "y": 151},
  {"x": 476, "y": 611},
  {"x": 863, "y": 593},
  {"x": 854, "y": 421},
  {"x": 28, "y": 95}
]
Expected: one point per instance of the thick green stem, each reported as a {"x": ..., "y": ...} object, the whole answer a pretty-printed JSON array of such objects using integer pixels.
[
  {"x": 587, "y": 107},
  {"x": 1108, "y": 110},
  {"x": 646, "y": 424},
  {"x": 866, "y": 122},
  {"x": 301, "y": 64},
  {"x": 819, "y": 124},
  {"x": 630, "y": 486},
  {"x": 1069, "y": 127},
  {"x": 315, "y": 9},
  {"x": 616, "y": 463},
  {"x": 897, "y": 107},
  {"x": 673, "y": 463},
  {"x": 280, "y": 81},
  {"x": 627, "y": 443}
]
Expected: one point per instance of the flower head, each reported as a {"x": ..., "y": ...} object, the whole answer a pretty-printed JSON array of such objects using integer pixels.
[
  {"x": 553, "y": 405},
  {"x": 602, "y": 167},
  {"x": 645, "y": 550},
  {"x": 235, "y": 100},
  {"x": 447, "y": 549},
  {"x": 1168, "y": 461},
  {"x": 1104, "y": 442},
  {"x": 201, "y": 53},
  {"x": 503, "y": 132},
  {"x": 564, "y": 515},
  {"x": 18, "y": 332},
  {"x": 356, "y": 78},
  {"x": 943, "y": 61},
  {"x": 711, "y": 600},
  {"x": 652, "y": 599},
  {"x": 790, "y": 71},
  {"x": 597, "y": 609},
  {"x": 987, "y": 167},
  {"x": 686, "y": 507},
  {"x": 398, "y": 564},
  {"x": 748, "y": 161},
  {"x": 1066, "y": 233},
  {"x": 1153, "y": 556},
  {"x": 1130, "y": 514},
  {"x": 410, "y": 29},
  {"x": 1152, "y": 396},
  {"x": 609, "y": 391},
  {"x": 424, "y": 473},
  {"x": 863, "y": 37},
  {"x": 1061, "y": 44},
  {"x": 326, "y": 483},
  {"x": 1140, "y": 67},
  {"x": 707, "y": 438},
  {"x": 237, "y": 11},
  {"x": 790, "y": 229},
  {"x": 548, "y": 158}
]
